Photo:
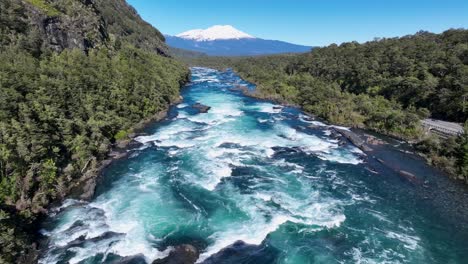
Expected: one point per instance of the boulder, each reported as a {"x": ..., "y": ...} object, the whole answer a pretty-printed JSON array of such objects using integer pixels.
[
  {"x": 334, "y": 134},
  {"x": 134, "y": 144},
  {"x": 201, "y": 108},
  {"x": 241, "y": 252},
  {"x": 183, "y": 254},
  {"x": 371, "y": 140},
  {"x": 409, "y": 177},
  {"x": 354, "y": 138},
  {"x": 117, "y": 154}
]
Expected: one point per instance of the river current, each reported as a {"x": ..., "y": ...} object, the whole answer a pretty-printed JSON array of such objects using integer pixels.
[{"x": 251, "y": 171}]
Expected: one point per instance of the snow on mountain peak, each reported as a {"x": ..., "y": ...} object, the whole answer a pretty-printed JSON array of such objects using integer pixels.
[{"x": 214, "y": 33}]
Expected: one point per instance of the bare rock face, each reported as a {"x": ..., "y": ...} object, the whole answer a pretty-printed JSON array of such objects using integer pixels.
[
  {"x": 83, "y": 30},
  {"x": 239, "y": 252},
  {"x": 183, "y": 254},
  {"x": 354, "y": 138},
  {"x": 88, "y": 24}
]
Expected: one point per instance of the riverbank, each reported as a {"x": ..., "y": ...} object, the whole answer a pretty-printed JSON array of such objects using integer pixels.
[
  {"x": 394, "y": 156},
  {"x": 287, "y": 185},
  {"x": 441, "y": 154},
  {"x": 84, "y": 188},
  {"x": 386, "y": 153}
]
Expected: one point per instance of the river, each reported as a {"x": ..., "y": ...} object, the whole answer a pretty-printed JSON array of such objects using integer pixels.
[{"x": 251, "y": 171}]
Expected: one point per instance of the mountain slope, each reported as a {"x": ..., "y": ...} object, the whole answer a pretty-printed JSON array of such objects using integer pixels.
[
  {"x": 75, "y": 78},
  {"x": 236, "y": 47},
  {"x": 228, "y": 41},
  {"x": 124, "y": 22}
]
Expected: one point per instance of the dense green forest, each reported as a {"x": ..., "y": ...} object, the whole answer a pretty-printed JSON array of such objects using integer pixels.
[
  {"x": 75, "y": 76},
  {"x": 386, "y": 85}
]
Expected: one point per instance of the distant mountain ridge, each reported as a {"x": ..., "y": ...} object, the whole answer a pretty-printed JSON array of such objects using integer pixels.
[{"x": 225, "y": 40}]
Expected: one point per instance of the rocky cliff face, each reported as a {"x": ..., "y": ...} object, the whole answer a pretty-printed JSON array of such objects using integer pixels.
[
  {"x": 78, "y": 25},
  {"x": 123, "y": 22},
  {"x": 84, "y": 24}
]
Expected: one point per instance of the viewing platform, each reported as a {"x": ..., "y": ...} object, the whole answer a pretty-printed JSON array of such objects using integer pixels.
[{"x": 442, "y": 128}]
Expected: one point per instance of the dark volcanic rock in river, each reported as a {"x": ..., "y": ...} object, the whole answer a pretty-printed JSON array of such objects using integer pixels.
[
  {"x": 201, "y": 107},
  {"x": 183, "y": 254},
  {"x": 241, "y": 252},
  {"x": 354, "y": 138},
  {"x": 230, "y": 145}
]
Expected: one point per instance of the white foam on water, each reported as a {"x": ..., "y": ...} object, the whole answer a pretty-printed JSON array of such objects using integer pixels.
[
  {"x": 256, "y": 229},
  {"x": 197, "y": 139},
  {"x": 409, "y": 242},
  {"x": 252, "y": 233},
  {"x": 306, "y": 119},
  {"x": 341, "y": 127},
  {"x": 266, "y": 108},
  {"x": 340, "y": 156},
  {"x": 182, "y": 115},
  {"x": 168, "y": 132},
  {"x": 218, "y": 172},
  {"x": 296, "y": 168},
  {"x": 358, "y": 257},
  {"x": 263, "y": 196},
  {"x": 378, "y": 215}
]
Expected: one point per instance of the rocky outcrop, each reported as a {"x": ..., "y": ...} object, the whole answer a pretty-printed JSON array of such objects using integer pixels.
[
  {"x": 123, "y": 22},
  {"x": 183, "y": 254},
  {"x": 239, "y": 252},
  {"x": 410, "y": 177},
  {"x": 84, "y": 25},
  {"x": 354, "y": 138},
  {"x": 67, "y": 27},
  {"x": 201, "y": 108}
]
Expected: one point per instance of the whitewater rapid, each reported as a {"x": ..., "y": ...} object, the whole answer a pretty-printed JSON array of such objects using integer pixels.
[{"x": 247, "y": 170}]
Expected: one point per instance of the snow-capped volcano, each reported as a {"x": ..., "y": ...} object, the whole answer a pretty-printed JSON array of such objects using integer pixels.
[
  {"x": 228, "y": 41},
  {"x": 217, "y": 32}
]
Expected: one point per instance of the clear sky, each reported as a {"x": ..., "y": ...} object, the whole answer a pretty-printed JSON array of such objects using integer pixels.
[{"x": 310, "y": 22}]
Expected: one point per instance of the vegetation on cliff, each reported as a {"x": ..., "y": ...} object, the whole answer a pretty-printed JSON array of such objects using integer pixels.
[{"x": 75, "y": 76}]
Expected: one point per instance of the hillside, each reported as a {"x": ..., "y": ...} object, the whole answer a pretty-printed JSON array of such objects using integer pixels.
[{"x": 75, "y": 78}]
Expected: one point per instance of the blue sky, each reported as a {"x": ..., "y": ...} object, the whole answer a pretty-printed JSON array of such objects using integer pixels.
[{"x": 317, "y": 23}]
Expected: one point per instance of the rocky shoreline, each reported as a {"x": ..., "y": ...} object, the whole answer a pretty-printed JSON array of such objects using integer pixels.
[
  {"x": 85, "y": 187},
  {"x": 377, "y": 151},
  {"x": 387, "y": 153}
]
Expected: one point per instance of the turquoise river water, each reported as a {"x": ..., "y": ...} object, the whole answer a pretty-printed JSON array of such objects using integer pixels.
[{"x": 251, "y": 171}]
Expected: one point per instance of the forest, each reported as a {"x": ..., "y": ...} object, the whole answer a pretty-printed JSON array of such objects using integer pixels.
[
  {"x": 68, "y": 92},
  {"x": 385, "y": 85},
  {"x": 77, "y": 75}
]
